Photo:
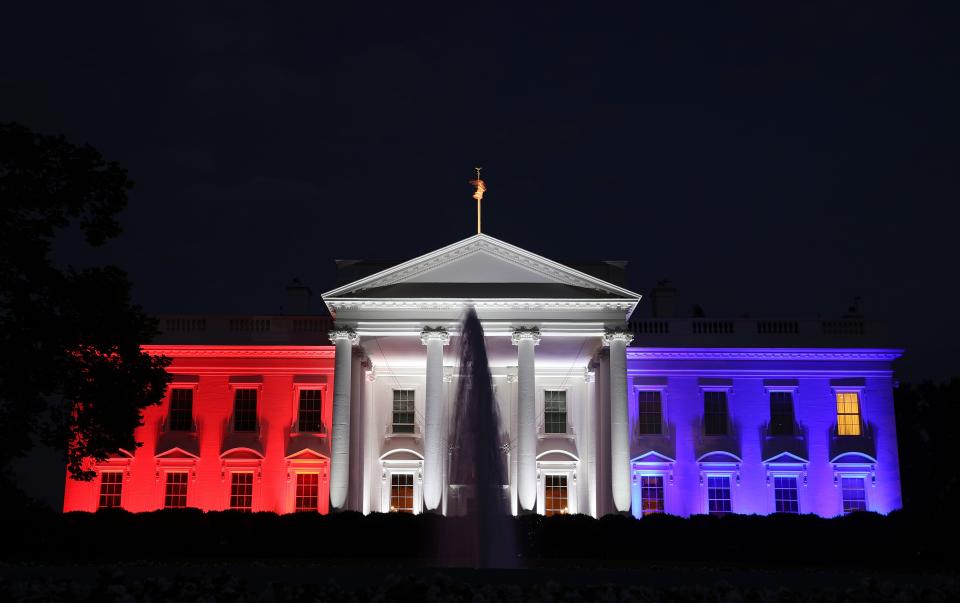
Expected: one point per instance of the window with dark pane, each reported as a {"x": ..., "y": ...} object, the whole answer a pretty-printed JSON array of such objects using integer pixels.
[
  {"x": 718, "y": 494},
  {"x": 308, "y": 491},
  {"x": 854, "y": 494},
  {"x": 241, "y": 491},
  {"x": 651, "y": 494},
  {"x": 555, "y": 495},
  {"x": 181, "y": 410},
  {"x": 715, "y": 419},
  {"x": 649, "y": 413},
  {"x": 403, "y": 411},
  {"x": 781, "y": 413},
  {"x": 785, "y": 494},
  {"x": 245, "y": 410},
  {"x": 308, "y": 414},
  {"x": 555, "y": 411},
  {"x": 111, "y": 487},
  {"x": 401, "y": 493},
  {"x": 175, "y": 491}
]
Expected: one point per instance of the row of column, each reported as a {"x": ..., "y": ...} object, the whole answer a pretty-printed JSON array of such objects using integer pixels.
[{"x": 525, "y": 339}]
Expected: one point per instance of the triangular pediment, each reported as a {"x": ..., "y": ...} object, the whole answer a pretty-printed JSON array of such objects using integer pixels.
[{"x": 481, "y": 267}]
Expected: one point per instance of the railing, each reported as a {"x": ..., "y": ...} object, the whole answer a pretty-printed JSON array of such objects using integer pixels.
[
  {"x": 265, "y": 329},
  {"x": 712, "y": 327},
  {"x": 748, "y": 332},
  {"x": 778, "y": 327}
]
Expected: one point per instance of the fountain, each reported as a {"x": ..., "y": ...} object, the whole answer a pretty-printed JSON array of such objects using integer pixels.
[{"x": 481, "y": 531}]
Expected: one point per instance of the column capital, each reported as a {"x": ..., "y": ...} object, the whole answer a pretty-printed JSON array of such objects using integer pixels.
[
  {"x": 434, "y": 333},
  {"x": 526, "y": 334},
  {"x": 612, "y": 335},
  {"x": 349, "y": 334}
]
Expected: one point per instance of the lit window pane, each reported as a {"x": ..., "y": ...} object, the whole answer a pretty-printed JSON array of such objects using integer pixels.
[
  {"x": 401, "y": 493},
  {"x": 848, "y": 413},
  {"x": 555, "y": 495},
  {"x": 651, "y": 494}
]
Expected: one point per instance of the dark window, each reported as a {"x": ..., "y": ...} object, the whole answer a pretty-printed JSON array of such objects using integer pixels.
[
  {"x": 781, "y": 413},
  {"x": 181, "y": 410},
  {"x": 650, "y": 413},
  {"x": 241, "y": 491},
  {"x": 308, "y": 491},
  {"x": 555, "y": 495},
  {"x": 555, "y": 411},
  {"x": 175, "y": 494},
  {"x": 854, "y": 494},
  {"x": 401, "y": 493},
  {"x": 718, "y": 494},
  {"x": 403, "y": 411},
  {"x": 245, "y": 410},
  {"x": 715, "y": 413},
  {"x": 785, "y": 494},
  {"x": 308, "y": 416},
  {"x": 651, "y": 494},
  {"x": 111, "y": 486}
]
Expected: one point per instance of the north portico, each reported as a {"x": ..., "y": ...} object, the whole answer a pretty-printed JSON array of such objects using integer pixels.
[{"x": 556, "y": 339}]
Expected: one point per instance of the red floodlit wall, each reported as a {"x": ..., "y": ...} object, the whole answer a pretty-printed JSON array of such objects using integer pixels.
[{"x": 211, "y": 451}]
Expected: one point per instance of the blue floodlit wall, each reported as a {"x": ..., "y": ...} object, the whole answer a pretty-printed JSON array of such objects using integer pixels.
[{"x": 816, "y": 455}]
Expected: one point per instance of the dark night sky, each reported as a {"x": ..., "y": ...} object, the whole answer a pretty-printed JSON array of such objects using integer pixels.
[{"x": 770, "y": 160}]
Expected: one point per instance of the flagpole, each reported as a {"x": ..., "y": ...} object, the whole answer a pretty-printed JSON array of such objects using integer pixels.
[{"x": 478, "y": 194}]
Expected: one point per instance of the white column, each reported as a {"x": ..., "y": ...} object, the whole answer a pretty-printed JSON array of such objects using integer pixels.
[
  {"x": 433, "y": 438},
  {"x": 619, "y": 421},
  {"x": 344, "y": 340},
  {"x": 525, "y": 339}
]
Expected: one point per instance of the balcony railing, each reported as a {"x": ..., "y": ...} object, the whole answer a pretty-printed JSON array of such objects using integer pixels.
[{"x": 749, "y": 332}]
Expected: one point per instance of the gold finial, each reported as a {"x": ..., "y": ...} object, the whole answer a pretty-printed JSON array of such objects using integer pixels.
[{"x": 478, "y": 194}]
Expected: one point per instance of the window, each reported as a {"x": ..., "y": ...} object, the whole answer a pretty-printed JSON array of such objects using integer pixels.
[
  {"x": 308, "y": 412},
  {"x": 651, "y": 494},
  {"x": 308, "y": 491},
  {"x": 245, "y": 410},
  {"x": 785, "y": 494},
  {"x": 175, "y": 493},
  {"x": 715, "y": 413},
  {"x": 241, "y": 491},
  {"x": 555, "y": 495},
  {"x": 181, "y": 410},
  {"x": 781, "y": 413},
  {"x": 848, "y": 413},
  {"x": 854, "y": 494},
  {"x": 403, "y": 411},
  {"x": 111, "y": 486},
  {"x": 650, "y": 413},
  {"x": 401, "y": 492},
  {"x": 718, "y": 494},
  {"x": 555, "y": 411}
]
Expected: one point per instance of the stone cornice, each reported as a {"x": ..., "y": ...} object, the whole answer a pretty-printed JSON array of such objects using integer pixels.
[
  {"x": 244, "y": 351},
  {"x": 883, "y": 355},
  {"x": 614, "y": 305}
]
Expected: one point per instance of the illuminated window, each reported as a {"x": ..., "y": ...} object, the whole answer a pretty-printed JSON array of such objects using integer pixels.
[
  {"x": 403, "y": 411},
  {"x": 111, "y": 486},
  {"x": 718, "y": 494},
  {"x": 175, "y": 493},
  {"x": 401, "y": 493},
  {"x": 555, "y": 411},
  {"x": 848, "y": 413},
  {"x": 650, "y": 413},
  {"x": 651, "y": 494},
  {"x": 555, "y": 495},
  {"x": 308, "y": 491},
  {"x": 715, "y": 413},
  {"x": 245, "y": 410},
  {"x": 308, "y": 413},
  {"x": 781, "y": 413},
  {"x": 785, "y": 494},
  {"x": 241, "y": 491},
  {"x": 181, "y": 410},
  {"x": 854, "y": 494}
]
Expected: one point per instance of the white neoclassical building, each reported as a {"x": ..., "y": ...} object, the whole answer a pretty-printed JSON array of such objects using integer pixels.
[{"x": 556, "y": 339}]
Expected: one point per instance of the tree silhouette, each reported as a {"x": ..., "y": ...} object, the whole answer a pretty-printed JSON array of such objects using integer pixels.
[{"x": 71, "y": 370}]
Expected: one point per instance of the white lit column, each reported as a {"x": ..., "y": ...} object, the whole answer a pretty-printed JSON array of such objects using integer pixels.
[
  {"x": 434, "y": 339},
  {"x": 618, "y": 340},
  {"x": 525, "y": 339},
  {"x": 344, "y": 340}
]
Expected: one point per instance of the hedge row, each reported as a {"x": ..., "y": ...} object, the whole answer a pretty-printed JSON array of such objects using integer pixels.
[{"x": 866, "y": 539}]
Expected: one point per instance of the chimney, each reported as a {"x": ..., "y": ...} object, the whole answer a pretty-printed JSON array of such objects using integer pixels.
[
  {"x": 663, "y": 298},
  {"x": 298, "y": 298}
]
